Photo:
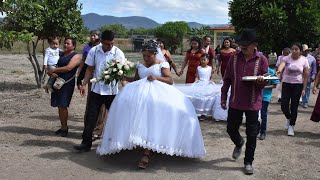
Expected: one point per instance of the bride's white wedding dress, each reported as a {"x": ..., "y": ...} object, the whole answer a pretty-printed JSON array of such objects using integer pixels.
[{"x": 153, "y": 115}]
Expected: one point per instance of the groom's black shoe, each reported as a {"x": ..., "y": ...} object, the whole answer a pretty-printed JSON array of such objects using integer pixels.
[
  {"x": 237, "y": 151},
  {"x": 82, "y": 148}
]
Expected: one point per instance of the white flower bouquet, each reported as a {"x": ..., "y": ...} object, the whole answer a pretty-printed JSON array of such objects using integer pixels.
[{"x": 116, "y": 71}]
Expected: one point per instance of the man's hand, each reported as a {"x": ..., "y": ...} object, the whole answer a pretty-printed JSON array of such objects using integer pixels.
[
  {"x": 223, "y": 104},
  {"x": 82, "y": 90},
  {"x": 260, "y": 80}
]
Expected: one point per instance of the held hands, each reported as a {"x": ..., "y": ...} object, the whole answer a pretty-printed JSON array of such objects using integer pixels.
[
  {"x": 181, "y": 72},
  {"x": 223, "y": 104}
]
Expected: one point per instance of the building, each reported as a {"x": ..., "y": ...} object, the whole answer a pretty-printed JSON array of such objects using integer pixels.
[{"x": 220, "y": 33}]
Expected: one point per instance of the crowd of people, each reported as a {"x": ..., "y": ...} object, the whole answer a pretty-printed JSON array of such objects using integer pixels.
[{"x": 150, "y": 113}]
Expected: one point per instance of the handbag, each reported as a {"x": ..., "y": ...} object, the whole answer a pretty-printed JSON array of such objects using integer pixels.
[{"x": 60, "y": 82}]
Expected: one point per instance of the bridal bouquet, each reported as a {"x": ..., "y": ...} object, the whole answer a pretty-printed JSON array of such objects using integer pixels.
[{"x": 115, "y": 71}]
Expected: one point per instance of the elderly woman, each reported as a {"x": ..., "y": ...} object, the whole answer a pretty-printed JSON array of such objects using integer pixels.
[
  {"x": 152, "y": 114},
  {"x": 192, "y": 59},
  {"x": 294, "y": 84},
  {"x": 67, "y": 68}
]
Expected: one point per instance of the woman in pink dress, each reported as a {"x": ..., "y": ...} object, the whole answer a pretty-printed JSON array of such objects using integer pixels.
[{"x": 225, "y": 53}]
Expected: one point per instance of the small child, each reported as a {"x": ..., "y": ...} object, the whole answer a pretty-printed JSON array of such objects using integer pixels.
[
  {"x": 204, "y": 75},
  {"x": 266, "y": 98},
  {"x": 51, "y": 58}
]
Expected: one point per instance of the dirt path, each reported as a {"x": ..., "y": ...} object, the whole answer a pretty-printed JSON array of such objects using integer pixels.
[{"x": 30, "y": 150}]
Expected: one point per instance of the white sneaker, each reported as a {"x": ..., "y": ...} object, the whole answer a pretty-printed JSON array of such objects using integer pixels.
[
  {"x": 286, "y": 126},
  {"x": 291, "y": 131}
]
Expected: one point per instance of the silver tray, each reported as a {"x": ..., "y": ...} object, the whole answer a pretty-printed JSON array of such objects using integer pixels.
[{"x": 253, "y": 78}]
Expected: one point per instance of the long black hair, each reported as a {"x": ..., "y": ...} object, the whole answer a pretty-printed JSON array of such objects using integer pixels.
[
  {"x": 199, "y": 44},
  {"x": 226, "y": 39}
]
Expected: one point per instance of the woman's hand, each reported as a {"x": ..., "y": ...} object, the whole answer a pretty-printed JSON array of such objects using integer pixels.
[
  {"x": 52, "y": 74},
  {"x": 178, "y": 74},
  {"x": 314, "y": 90},
  {"x": 152, "y": 78},
  {"x": 303, "y": 93},
  {"x": 181, "y": 72}
]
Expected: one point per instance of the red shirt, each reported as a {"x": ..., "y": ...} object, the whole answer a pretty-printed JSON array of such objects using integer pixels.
[{"x": 245, "y": 95}]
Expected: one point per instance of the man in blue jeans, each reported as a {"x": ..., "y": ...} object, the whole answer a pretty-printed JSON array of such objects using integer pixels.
[
  {"x": 312, "y": 74},
  {"x": 266, "y": 98}
]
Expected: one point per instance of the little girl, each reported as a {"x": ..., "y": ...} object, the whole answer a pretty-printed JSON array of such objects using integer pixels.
[
  {"x": 203, "y": 92},
  {"x": 50, "y": 60},
  {"x": 204, "y": 71}
]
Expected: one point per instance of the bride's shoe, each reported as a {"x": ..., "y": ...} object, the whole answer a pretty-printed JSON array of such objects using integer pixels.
[{"x": 144, "y": 162}]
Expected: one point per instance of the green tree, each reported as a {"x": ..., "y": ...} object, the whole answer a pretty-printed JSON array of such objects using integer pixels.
[
  {"x": 173, "y": 33},
  {"x": 200, "y": 33},
  {"x": 141, "y": 31},
  {"x": 32, "y": 22},
  {"x": 118, "y": 29},
  {"x": 278, "y": 22}
]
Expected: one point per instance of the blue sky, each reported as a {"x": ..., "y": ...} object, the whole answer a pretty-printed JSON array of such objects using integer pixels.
[{"x": 204, "y": 11}]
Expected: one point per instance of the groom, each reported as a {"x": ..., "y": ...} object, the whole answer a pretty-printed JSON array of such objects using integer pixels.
[
  {"x": 101, "y": 93},
  {"x": 245, "y": 96}
]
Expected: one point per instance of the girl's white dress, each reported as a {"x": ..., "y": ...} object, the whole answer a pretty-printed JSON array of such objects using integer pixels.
[
  {"x": 153, "y": 115},
  {"x": 205, "y": 95}
]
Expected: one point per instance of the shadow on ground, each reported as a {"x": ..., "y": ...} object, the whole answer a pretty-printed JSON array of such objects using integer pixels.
[
  {"x": 127, "y": 160},
  {"x": 39, "y": 132},
  {"x": 17, "y": 87}
]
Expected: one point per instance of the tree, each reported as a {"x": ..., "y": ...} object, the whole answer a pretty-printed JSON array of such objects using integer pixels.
[
  {"x": 172, "y": 34},
  {"x": 118, "y": 29},
  {"x": 278, "y": 23},
  {"x": 200, "y": 33},
  {"x": 34, "y": 21}
]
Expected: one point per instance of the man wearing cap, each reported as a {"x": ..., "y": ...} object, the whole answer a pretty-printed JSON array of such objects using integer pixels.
[
  {"x": 312, "y": 73},
  {"x": 245, "y": 96}
]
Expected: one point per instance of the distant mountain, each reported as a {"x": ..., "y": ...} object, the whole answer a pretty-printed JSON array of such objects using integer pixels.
[{"x": 95, "y": 21}]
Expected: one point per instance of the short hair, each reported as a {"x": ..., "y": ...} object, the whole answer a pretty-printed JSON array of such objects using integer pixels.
[
  {"x": 95, "y": 32},
  {"x": 73, "y": 41},
  {"x": 50, "y": 39},
  {"x": 206, "y": 55},
  {"x": 107, "y": 35},
  {"x": 206, "y": 36}
]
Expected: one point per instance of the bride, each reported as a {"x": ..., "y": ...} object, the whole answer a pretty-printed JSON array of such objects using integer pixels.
[{"x": 152, "y": 114}]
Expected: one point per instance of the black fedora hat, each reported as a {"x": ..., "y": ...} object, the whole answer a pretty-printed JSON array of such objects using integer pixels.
[{"x": 246, "y": 37}]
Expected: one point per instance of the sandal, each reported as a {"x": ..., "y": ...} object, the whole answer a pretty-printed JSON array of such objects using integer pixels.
[{"x": 144, "y": 162}]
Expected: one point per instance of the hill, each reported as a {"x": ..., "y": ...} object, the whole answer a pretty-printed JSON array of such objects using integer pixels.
[{"x": 95, "y": 21}]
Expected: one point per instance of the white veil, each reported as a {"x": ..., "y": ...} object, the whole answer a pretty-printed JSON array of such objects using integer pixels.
[{"x": 160, "y": 55}]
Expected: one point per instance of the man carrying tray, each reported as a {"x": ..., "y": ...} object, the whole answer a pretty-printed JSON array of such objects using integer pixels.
[{"x": 245, "y": 95}]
